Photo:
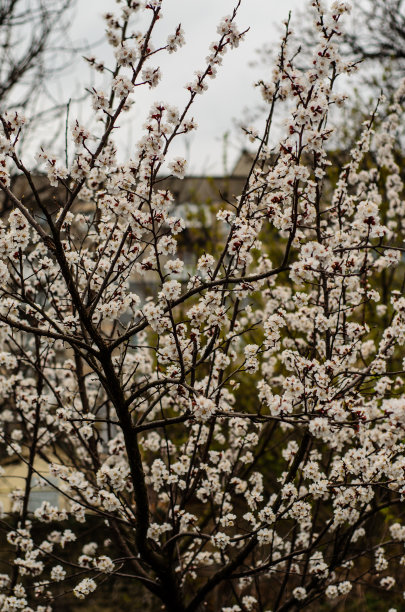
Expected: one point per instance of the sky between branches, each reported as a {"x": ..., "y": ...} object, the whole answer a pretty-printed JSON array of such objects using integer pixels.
[{"x": 228, "y": 95}]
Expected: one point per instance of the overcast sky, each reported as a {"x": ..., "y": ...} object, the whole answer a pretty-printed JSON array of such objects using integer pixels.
[{"x": 228, "y": 95}]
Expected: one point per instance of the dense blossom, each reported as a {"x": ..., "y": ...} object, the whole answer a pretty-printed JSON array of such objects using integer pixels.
[{"x": 237, "y": 427}]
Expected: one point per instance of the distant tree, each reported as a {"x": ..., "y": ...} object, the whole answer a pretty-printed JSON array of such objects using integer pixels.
[
  {"x": 35, "y": 52},
  {"x": 32, "y": 36},
  {"x": 378, "y": 31}
]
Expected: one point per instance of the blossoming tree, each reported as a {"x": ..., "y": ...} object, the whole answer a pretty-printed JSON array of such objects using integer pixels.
[{"x": 204, "y": 499}]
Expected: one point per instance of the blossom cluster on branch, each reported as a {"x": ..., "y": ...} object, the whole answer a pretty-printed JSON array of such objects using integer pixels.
[{"x": 237, "y": 434}]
